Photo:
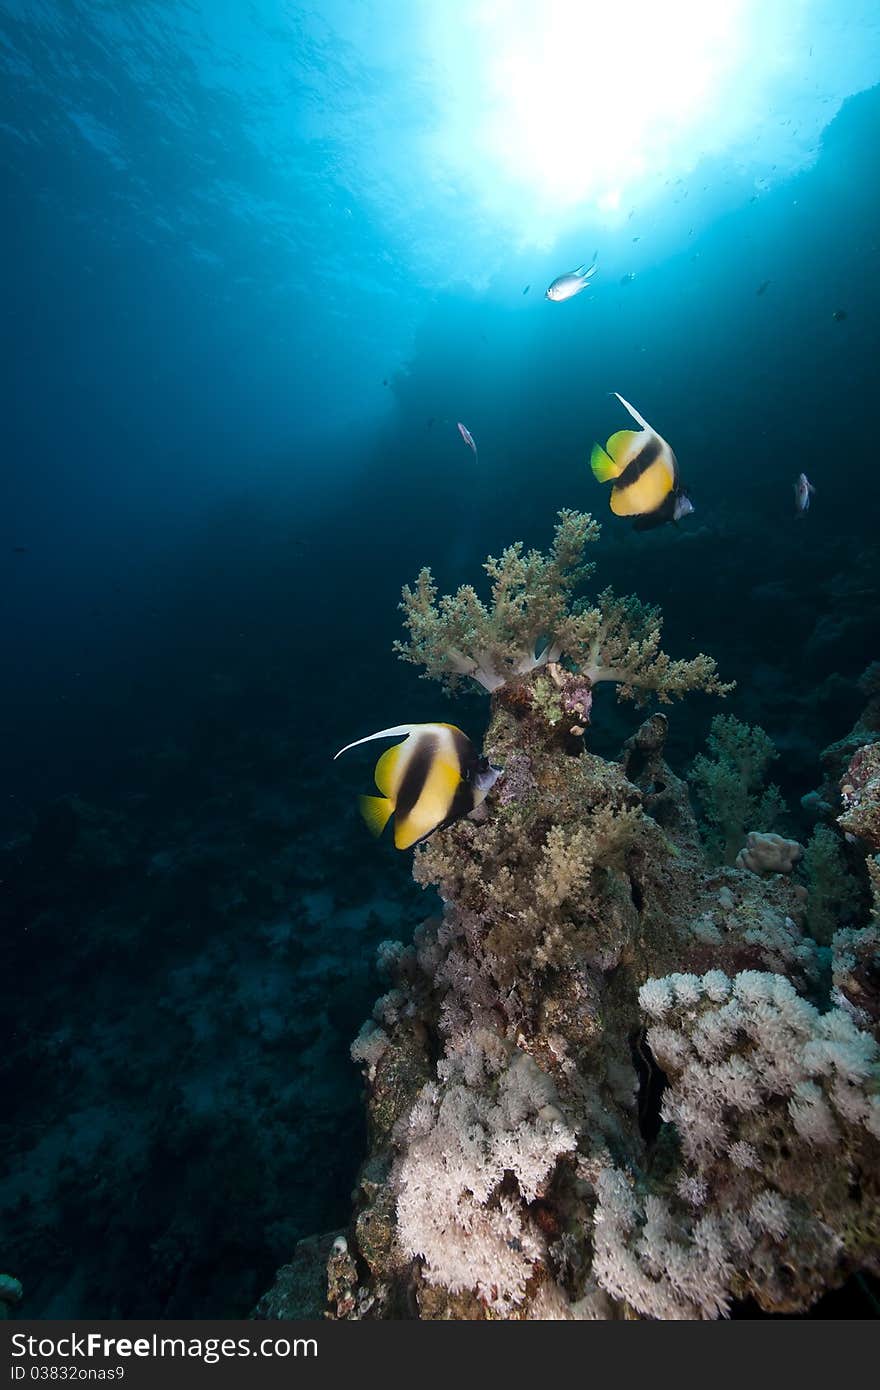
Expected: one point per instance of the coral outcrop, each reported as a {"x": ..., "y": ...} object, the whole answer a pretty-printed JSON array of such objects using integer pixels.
[
  {"x": 768, "y": 854},
  {"x": 534, "y": 619},
  {"x": 609, "y": 1080}
]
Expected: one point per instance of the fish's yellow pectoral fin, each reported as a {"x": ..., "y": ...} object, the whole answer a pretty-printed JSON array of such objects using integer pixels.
[
  {"x": 375, "y": 811},
  {"x": 603, "y": 466},
  {"x": 619, "y": 446},
  {"x": 387, "y": 774}
]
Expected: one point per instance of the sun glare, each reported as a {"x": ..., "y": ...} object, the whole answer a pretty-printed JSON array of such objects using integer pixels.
[{"x": 582, "y": 99}]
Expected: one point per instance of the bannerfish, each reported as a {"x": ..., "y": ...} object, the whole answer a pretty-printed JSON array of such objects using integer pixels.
[
  {"x": 644, "y": 475},
  {"x": 570, "y": 284},
  {"x": 803, "y": 490},
  {"x": 434, "y": 777},
  {"x": 468, "y": 438}
]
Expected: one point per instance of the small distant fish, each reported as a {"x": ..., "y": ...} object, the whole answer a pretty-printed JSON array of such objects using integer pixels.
[
  {"x": 385, "y": 381},
  {"x": 527, "y": 288},
  {"x": 628, "y": 278},
  {"x": 803, "y": 491},
  {"x": 763, "y": 287},
  {"x": 468, "y": 438},
  {"x": 637, "y": 238},
  {"x": 568, "y": 285},
  {"x": 429, "y": 422},
  {"x": 434, "y": 777},
  {"x": 644, "y": 473},
  {"x": 839, "y": 315},
  {"x": 20, "y": 549}
]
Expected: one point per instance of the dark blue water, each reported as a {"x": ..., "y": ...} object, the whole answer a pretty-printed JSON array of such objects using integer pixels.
[{"x": 240, "y": 321}]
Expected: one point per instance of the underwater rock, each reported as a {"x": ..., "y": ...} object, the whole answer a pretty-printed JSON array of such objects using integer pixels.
[
  {"x": 300, "y": 1288},
  {"x": 860, "y": 795},
  {"x": 815, "y": 807},
  {"x": 10, "y": 1293},
  {"x": 665, "y": 796},
  {"x": 768, "y": 854}
]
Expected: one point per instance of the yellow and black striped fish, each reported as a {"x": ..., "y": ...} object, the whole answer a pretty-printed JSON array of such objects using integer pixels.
[
  {"x": 435, "y": 776},
  {"x": 644, "y": 474}
]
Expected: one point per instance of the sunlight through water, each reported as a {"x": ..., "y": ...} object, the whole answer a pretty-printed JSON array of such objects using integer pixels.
[{"x": 569, "y": 112}]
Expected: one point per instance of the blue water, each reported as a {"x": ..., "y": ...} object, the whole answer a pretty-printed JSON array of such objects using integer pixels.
[{"x": 257, "y": 261}]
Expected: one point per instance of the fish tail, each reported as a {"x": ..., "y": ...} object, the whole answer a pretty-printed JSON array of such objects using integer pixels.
[
  {"x": 603, "y": 465},
  {"x": 376, "y": 811}
]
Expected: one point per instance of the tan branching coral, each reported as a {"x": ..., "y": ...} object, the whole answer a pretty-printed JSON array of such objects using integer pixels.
[
  {"x": 533, "y": 619},
  {"x": 461, "y": 636},
  {"x": 618, "y": 639}
]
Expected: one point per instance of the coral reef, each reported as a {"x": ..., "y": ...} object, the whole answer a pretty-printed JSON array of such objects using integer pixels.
[{"x": 608, "y": 1081}]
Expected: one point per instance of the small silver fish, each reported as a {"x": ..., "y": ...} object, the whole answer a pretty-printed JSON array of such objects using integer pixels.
[
  {"x": 803, "y": 489},
  {"x": 568, "y": 285},
  {"x": 468, "y": 439}
]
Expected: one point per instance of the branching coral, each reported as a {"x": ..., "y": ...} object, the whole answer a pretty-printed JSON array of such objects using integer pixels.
[
  {"x": 834, "y": 894},
  {"x": 618, "y": 639},
  {"x": 777, "y": 1108},
  {"x": 533, "y": 619},
  {"x": 729, "y": 784},
  {"x": 489, "y": 1117},
  {"x": 461, "y": 636}
]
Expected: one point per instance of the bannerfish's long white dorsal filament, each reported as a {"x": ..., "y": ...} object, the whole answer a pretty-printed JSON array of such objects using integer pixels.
[
  {"x": 634, "y": 413},
  {"x": 383, "y": 733}
]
